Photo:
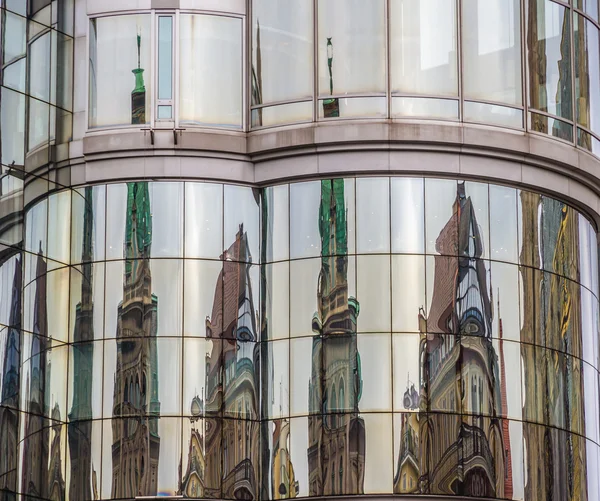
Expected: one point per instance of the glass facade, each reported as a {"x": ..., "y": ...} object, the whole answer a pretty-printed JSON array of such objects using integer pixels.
[{"x": 367, "y": 335}]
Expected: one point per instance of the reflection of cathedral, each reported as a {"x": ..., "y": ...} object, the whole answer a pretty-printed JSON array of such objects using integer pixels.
[
  {"x": 80, "y": 426},
  {"x": 37, "y": 438},
  {"x": 9, "y": 392},
  {"x": 552, "y": 381},
  {"x": 193, "y": 483},
  {"x": 284, "y": 483},
  {"x": 460, "y": 372},
  {"x": 228, "y": 453},
  {"x": 136, "y": 444},
  {"x": 336, "y": 439}
]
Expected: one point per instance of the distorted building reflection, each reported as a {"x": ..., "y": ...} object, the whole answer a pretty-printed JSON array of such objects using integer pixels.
[
  {"x": 80, "y": 415},
  {"x": 552, "y": 380},
  {"x": 56, "y": 482},
  {"x": 284, "y": 483},
  {"x": 336, "y": 432},
  {"x": 232, "y": 381},
  {"x": 136, "y": 408},
  {"x": 36, "y": 433},
  {"x": 460, "y": 371},
  {"x": 9, "y": 390},
  {"x": 193, "y": 484}
]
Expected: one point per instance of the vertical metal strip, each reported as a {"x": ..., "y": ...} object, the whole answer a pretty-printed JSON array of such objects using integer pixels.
[{"x": 459, "y": 57}]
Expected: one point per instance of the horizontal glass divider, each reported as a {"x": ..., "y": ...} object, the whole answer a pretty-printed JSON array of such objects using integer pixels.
[
  {"x": 550, "y": 115},
  {"x": 586, "y": 16},
  {"x": 425, "y": 96},
  {"x": 352, "y": 96},
  {"x": 261, "y": 106},
  {"x": 588, "y": 131},
  {"x": 495, "y": 103}
]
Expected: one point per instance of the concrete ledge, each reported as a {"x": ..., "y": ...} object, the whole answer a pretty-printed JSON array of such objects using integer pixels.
[{"x": 349, "y": 147}]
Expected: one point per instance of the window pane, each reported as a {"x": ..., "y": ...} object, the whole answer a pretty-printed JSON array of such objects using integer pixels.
[
  {"x": 286, "y": 113},
  {"x": 282, "y": 51},
  {"x": 373, "y": 285},
  {"x": 408, "y": 292},
  {"x": 351, "y": 47},
  {"x": 39, "y": 68},
  {"x": 590, "y": 7},
  {"x": 549, "y": 58},
  {"x": 418, "y": 107},
  {"x": 502, "y": 116},
  {"x": 423, "y": 47},
  {"x": 12, "y": 127},
  {"x": 203, "y": 220},
  {"x": 210, "y": 45},
  {"x": 305, "y": 240},
  {"x": 492, "y": 50},
  {"x": 165, "y": 57},
  {"x": 202, "y": 285},
  {"x": 503, "y": 224},
  {"x": 373, "y": 214},
  {"x": 120, "y": 54},
  {"x": 587, "y": 73},
  {"x": 276, "y": 233},
  {"x": 13, "y": 39},
  {"x": 353, "y": 107}
]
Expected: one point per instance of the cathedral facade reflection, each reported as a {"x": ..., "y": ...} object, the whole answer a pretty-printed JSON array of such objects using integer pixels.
[
  {"x": 136, "y": 408},
  {"x": 336, "y": 432}
]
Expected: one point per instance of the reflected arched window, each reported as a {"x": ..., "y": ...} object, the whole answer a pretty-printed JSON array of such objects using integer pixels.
[
  {"x": 333, "y": 405},
  {"x": 341, "y": 491},
  {"x": 126, "y": 391},
  {"x": 342, "y": 403}
]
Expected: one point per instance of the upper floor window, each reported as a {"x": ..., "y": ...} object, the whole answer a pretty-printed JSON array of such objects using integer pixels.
[{"x": 165, "y": 69}]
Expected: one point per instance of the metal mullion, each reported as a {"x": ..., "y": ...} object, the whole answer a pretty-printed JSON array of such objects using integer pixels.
[
  {"x": 572, "y": 54},
  {"x": 176, "y": 78},
  {"x": 245, "y": 60},
  {"x": 590, "y": 132},
  {"x": 586, "y": 16},
  {"x": 315, "y": 95},
  {"x": 388, "y": 51},
  {"x": 524, "y": 69},
  {"x": 153, "y": 65},
  {"x": 459, "y": 59}
]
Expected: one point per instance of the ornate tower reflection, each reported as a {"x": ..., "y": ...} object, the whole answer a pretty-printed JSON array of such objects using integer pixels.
[
  {"x": 336, "y": 439},
  {"x": 9, "y": 392},
  {"x": 80, "y": 426},
  {"x": 136, "y": 443},
  {"x": 34, "y": 476},
  {"x": 233, "y": 321},
  {"x": 460, "y": 370}
]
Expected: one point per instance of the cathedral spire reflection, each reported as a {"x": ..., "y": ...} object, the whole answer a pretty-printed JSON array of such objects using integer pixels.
[
  {"x": 9, "y": 390},
  {"x": 335, "y": 386},
  {"x": 80, "y": 426},
  {"x": 136, "y": 443}
]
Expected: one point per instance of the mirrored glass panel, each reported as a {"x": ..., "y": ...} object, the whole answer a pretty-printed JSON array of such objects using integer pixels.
[
  {"x": 374, "y": 293},
  {"x": 492, "y": 50},
  {"x": 305, "y": 240},
  {"x": 84, "y": 459},
  {"x": 441, "y": 221},
  {"x": 282, "y": 51},
  {"x": 88, "y": 224},
  {"x": 284, "y": 113},
  {"x": 408, "y": 371},
  {"x": 203, "y": 282},
  {"x": 373, "y": 214},
  {"x": 59, "y": 227},
  {"x": 423, "y": 47},
  {"x": 210, "y": 45},
  {"x": 549, "y": 76},
  {"x": 417, "y": 107},
  {"x": 375, "y": 368},
  {"x": 587, "y": 72},
  {"x": 356, "y": 34},
  {"x": 166, "y": 212},
  {"x": 241, "y": 229},
  {"x": 408, "y": 292},
  {"x": 304, "y": 275},
  {"x": 276, "y": 300},
  {"x": 305, "y": 360},
  {"x": 276, "y": 368},
  {"x": 275, "y": 221},
  {"x": 119, "y": 54},
  {"x": 85, "y": 384},
  {"x": 203, "y": 220}
]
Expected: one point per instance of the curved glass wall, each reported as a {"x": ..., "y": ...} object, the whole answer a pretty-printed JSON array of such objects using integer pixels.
[
  {"x": 523, "y": 64},
  {"x": 341, "y": 336}
]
